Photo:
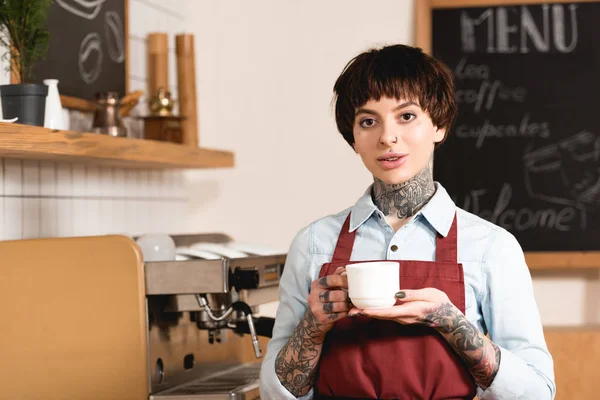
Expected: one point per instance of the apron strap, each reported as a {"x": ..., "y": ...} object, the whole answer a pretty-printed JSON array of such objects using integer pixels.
[
  {"x": 343, "y": 248},
  {"x": 446, "y": 248}
]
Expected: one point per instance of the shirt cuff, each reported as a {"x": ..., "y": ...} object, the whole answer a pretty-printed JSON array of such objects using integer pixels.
[
  {"x": 272, "y": 389},
  {"x": 508, "y": 383}
]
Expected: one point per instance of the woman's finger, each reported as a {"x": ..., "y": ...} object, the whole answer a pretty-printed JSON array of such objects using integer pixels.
[
  {"x": 340, "y": 271},
  {"x": 407, "y": 310},
  {"x": 337, "y": 316},
  {"x": 327, "y": 296},
  {"x": 428, "y": 294},
  {"x": 333, "y": 281},
  {"x": 336, "y": 307}
]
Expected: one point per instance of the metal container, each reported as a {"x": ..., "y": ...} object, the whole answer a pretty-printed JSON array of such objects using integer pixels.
[{"x": 107, "y": 119}]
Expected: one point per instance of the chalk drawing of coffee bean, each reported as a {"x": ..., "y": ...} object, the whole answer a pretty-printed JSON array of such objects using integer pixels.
[
  {"x": 113, "y": 29},
  {"x": 87, "y": 9},
  {"x": 90, "y": 57}
]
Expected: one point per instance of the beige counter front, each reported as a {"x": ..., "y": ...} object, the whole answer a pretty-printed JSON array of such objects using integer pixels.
[{"x": 73, "y": 319}]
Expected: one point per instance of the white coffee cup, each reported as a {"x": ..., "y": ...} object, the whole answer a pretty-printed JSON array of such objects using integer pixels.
[
  {"x": 373, "y": 284},
  {"x": 157, "y": 247}
]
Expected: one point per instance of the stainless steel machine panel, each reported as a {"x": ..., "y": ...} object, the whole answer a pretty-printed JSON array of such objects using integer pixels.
[
  {"x": 235, "y": 383},
  {"x": 180, "y": 277}
]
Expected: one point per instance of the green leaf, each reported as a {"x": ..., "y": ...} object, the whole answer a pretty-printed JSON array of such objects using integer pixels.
[{"x": 24, "y": 34}]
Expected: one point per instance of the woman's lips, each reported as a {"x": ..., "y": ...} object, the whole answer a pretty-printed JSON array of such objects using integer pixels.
[{"x": 392, "y": 160}]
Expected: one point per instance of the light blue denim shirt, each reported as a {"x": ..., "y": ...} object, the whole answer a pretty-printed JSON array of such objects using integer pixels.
[{"x": 499, "y": 293}]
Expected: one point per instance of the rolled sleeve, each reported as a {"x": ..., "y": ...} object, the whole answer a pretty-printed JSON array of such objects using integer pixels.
[
  {"x": 511, "y": 382},
  {"x": 293, "y": 294},
  {"x": 512, "y": 318}
]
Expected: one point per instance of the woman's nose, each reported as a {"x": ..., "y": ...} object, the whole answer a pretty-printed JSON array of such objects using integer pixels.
[{"x": 389, "y": 135}]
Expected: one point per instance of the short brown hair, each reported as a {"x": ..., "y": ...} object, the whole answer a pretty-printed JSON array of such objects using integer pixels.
[{"x": 396, "y": 71}]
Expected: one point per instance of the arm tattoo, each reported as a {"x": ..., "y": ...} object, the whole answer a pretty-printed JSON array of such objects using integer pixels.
[
  {"x": 480, "y": 353},
  {"x": 296, "y": 363},
  {"x": 405, "y": 199}
]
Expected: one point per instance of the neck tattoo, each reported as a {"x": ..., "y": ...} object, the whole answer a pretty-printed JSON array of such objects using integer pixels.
[{"x": 406, "y": 199}]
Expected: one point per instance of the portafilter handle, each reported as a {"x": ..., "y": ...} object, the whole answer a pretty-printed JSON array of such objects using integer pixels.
[{"x": 245, "y": 308}]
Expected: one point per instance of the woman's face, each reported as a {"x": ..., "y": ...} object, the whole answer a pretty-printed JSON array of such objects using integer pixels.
[{"x": 394, "y": 138}]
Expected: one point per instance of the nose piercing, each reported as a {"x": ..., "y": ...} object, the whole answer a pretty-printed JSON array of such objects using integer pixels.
[{"x": 395, "y": 139}]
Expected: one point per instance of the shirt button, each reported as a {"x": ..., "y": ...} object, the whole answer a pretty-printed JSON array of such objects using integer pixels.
[{"x": 394, "y": 247}]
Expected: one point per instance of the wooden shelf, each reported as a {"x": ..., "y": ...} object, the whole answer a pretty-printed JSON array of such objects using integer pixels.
[
  {"x": 563, "y": 260},
  {"x": 493, "y": 3},
  {"x": 32, "y": 142}
]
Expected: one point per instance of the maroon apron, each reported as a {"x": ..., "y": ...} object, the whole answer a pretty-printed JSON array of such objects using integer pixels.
[{"x": 375, "y": 359}]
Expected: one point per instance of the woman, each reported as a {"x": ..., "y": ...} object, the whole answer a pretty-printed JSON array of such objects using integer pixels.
[{"x": 462, "y": 278}]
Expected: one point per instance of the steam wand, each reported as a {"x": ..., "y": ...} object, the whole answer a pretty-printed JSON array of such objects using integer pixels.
[{"x": 239, "y": 306}]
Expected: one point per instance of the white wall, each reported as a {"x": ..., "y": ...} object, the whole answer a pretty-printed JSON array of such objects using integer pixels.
[{"x": 265, "y": 72}]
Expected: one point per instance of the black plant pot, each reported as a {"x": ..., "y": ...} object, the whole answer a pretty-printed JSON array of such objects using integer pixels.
[{"x": 24, "y": 101}]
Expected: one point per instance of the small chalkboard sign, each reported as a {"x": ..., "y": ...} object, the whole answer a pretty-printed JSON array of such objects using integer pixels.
[
  {"x": 524, "y": 151},
  {"x": 87, "y": 52}
]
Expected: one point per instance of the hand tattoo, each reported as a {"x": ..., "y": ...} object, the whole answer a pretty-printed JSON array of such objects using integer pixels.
[
  {"x": 480, "y": 353},
  {"x": 324, "y": 296},
  {"x": 328, "y": 307},
  {"x": 405, "y": 199},
  {"x": 296, "y": 362}
]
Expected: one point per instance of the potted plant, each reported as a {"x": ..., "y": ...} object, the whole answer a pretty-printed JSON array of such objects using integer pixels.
[{"x": 24, "y": 35}]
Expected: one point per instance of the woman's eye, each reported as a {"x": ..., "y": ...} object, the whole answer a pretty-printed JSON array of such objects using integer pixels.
[
  {"x": 367, "y": 122},
  {"x": 407, "y": 117}
]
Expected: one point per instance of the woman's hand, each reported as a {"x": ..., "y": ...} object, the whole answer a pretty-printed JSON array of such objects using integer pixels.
[
  {"x": 432, "y": 307},
  {"x": 328, "y": 299},
  {"x": 427, "y": 306}
]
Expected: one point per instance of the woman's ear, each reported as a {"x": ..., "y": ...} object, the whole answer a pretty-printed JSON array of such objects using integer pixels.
[{"x": 439, "y": 135}]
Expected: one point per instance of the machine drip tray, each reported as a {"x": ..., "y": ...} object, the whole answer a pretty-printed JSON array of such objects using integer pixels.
[{"x": 237, "y": 383}]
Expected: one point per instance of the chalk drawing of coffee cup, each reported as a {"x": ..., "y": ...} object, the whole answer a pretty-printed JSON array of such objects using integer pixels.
[
  {"x": 90, "y": 57},
  {"x": 87, "y": 9},
  {"x": 113, "y": 30},
  {"x": 567, "y": 172},
  {"x": 581, "y": 157},
  {"x": 543, "y": 175}
]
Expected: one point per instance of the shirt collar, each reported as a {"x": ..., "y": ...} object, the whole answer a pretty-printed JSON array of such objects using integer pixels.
[
  {"x": 439, "y": 211},
  {"x": 362, "y": 210}
]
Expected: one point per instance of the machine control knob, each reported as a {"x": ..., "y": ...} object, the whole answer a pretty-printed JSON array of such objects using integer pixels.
[{"x": 245, "y": 278}]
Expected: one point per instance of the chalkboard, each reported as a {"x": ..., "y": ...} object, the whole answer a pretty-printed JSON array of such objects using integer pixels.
[
  {"x": 524, "y": 151},
  {"x": 87, "y": 49}
]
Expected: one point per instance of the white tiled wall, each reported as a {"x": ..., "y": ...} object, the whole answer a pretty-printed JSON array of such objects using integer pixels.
[{"x": 50, "y": 199}]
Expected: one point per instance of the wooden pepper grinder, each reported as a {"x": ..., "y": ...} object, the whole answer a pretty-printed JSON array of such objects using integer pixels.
[
  {"x": 158, "y": 62},
  {"x": 186, "y": 86}
]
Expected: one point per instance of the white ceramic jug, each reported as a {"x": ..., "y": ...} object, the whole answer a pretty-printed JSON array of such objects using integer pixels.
[{"x": 53, "y": 117}]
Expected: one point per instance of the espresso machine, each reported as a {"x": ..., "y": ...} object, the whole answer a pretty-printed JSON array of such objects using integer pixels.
[
  {"x": 88, "y": 318},
  {"x": 199, "y": 306}
]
